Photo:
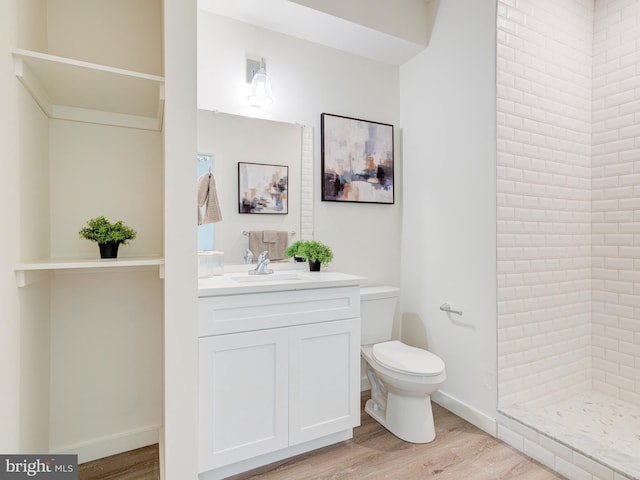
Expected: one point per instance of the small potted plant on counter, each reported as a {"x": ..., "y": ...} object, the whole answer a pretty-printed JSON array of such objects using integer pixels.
[
  {"x": 315, "y": 252},
  {"x": 293, "y": 251},
  {"x": 107, "y": 235}
]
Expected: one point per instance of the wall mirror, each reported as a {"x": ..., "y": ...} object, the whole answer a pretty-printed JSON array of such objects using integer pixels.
[{"x": 231, "y": 139}]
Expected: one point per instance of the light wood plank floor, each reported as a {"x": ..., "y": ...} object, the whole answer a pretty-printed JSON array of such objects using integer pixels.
[
  {"x": 140, "y": 464},
  {"x": 459, "y": 452}
]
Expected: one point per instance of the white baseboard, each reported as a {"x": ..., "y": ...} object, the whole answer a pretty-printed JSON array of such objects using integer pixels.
[
  {"x": 111, "y": 445},
  {"x": 467, "y": 412}
]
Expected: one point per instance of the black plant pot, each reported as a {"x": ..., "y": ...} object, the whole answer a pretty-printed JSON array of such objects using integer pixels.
[
  {"x": 314, "y": 265},
  {"x": 109, "y": 250}
]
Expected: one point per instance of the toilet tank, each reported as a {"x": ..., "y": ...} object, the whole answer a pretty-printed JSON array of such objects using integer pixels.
[{"x": 377, "y": 308}]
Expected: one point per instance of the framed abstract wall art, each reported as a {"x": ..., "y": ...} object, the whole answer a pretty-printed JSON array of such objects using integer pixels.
[
  {"x": 263, "y": 188},
  {"x": 357, "y": 160}
]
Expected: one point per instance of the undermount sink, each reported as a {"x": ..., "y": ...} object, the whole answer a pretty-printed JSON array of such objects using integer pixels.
[{"x": 269, "y": 278}]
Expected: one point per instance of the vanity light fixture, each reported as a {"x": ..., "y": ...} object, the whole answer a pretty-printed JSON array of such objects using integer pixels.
[{"x": 260, "y": 90}]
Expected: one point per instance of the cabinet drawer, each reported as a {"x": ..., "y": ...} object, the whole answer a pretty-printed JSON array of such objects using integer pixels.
[{"x": 240, "y": 313}]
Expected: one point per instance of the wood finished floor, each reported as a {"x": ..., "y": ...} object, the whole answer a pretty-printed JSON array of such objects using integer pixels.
[
  {"x": 459, "y": 452},
  {"x": 140, "y": 464}
]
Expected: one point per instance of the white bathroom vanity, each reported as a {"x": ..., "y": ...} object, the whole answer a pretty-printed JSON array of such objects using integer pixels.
[{"x": 279, "y": 360}]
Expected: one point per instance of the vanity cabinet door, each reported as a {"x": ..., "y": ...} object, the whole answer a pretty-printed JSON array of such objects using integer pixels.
[
  {"x": 324, "y": 376},
  {"x": 243, "y": 396}
]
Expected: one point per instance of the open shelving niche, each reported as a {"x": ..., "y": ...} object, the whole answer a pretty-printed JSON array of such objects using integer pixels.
[{"x": 75, "y": 90}]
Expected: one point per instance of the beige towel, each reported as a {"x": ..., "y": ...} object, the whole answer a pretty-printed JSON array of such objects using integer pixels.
[
  {"x": 274, "y": 242},
  {"x": 208, "y": 198},
  {"x": 270, "y": 236}
]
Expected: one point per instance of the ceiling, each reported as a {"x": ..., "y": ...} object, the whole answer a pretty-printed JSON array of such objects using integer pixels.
[{"x": 376, "y": 34}]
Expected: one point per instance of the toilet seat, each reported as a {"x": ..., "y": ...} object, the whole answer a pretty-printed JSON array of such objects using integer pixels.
[{"x": 405, "y": 359}]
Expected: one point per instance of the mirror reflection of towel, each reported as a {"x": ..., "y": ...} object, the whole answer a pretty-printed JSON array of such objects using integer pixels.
[
  {"x": 208, "y": 198},
  {"x": 273, "y": 241}
]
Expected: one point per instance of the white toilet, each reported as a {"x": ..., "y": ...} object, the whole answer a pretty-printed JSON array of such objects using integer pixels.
[{"x": 402, "y": 377}]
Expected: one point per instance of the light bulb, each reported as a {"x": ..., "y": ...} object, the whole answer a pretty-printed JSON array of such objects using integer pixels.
[{"x": 260, "y": 91}]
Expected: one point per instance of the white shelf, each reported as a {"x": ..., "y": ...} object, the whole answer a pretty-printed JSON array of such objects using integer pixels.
[
  {"x": 30, "y": 272},
  {"x": 87, "y": 92}
]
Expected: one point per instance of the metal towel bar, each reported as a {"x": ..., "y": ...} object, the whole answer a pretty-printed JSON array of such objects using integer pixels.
[
  {"x": 245, "y": 233},
  {"x": 445, "y": 307}
]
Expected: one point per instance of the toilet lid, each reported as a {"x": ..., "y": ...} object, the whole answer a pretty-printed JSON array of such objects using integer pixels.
[{"x": 403, "y": 358}]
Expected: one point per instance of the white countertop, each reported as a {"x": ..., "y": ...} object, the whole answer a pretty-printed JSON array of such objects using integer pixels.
[{"x": 237, "y": 283}]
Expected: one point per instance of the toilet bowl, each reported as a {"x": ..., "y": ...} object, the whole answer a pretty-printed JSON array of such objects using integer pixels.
[{"x": 402, "y": 377}]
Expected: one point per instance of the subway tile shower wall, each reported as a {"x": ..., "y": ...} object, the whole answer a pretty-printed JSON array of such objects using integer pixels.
[
  {"x": 306, "y": 221},
  {"x": 544, "y": 66},
  {"x": 615, "y": 205},
  {"x": 568, "y": 199}
]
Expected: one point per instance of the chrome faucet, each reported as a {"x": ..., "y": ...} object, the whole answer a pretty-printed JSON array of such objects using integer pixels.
[{"x": 263, "y": 265}]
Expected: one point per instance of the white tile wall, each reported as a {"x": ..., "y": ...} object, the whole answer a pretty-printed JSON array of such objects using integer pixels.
[
  {"x": 306, "y": 189},
  {"x": 615, "y": 190},
  {"x": 544, "y": 199},
  {"x": 568, "y": 199},
  {"x": 568, "y": 111}
]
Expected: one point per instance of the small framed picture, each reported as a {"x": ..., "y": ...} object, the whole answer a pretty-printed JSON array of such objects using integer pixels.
[
  {"x": 263, "y": 188},
  {"x": 357, "y": 160}
]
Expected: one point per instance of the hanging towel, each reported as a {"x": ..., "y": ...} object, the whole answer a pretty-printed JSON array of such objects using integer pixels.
[
  {"x": 208, "y": 206},
  {"x": 274, "y": 242}
]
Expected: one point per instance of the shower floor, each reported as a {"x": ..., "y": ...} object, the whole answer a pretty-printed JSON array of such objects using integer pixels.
[
  {"x": 613, "y": 423},
  {"x": 600, "y": 427}
]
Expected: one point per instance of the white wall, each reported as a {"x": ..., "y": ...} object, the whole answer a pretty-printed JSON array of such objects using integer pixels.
[
  {"x": 33, "y": 185},
  {"x": 116, "y": 39},
  {"x": 104, "y": 170},
  {"x": 9, "y": 306},
  {"x": 106, "y": 362},
  {"x": 448, "y": 229},
  {"x": 307, "y": 80},
  {"x": 407, "y": 19},
  {"x": 24, "y": 332},
  {"x": 180, "y": 439}
]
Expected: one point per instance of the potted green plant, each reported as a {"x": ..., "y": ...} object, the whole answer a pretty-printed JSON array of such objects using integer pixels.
[
  {"x": 315, "y": 252},
  {"x": 107, "y": 235},
  {"x": 293, "y": 251}
]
